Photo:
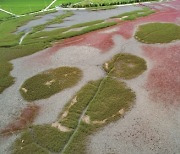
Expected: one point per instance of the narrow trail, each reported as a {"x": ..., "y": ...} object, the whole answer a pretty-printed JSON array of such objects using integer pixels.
[
  {"x": 23, "y": 37},
  {"x": 50, "y": 5},
  {"x": 9, "y": 12},
  {"x": 23, "y": 15}
]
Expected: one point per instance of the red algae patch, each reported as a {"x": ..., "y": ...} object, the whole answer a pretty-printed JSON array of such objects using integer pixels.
[
  {"x": 126, "y": 29},
  {"x": 26, "y": 117},
  {"x": 97, "y": 39},
  {"x": 29, "y": 113},
  {"x": 163, "y": 80}
]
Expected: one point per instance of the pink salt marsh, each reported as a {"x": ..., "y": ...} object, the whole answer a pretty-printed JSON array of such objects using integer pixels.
[
  {"x": 163, "y": 79},
  {"x": 102, "y": 41}
]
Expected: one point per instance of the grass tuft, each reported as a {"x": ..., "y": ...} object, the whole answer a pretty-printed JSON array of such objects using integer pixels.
[{"x": 101, "y": 8}]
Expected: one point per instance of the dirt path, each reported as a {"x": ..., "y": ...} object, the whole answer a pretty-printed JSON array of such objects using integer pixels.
[{"x": 50, "y": 5}]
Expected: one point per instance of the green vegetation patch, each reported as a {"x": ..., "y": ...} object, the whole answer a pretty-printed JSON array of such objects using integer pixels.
[
  {"x": 110, "y": 100},
  {"x": 112, "y": 97},
  {"x": 125, "y": 66},
  {"x": 87, "y": 24},
  {"x": 5, "y": 79},
  {"x": 22, "y": 7},
  {"x": 158, "y": 33},
  {"x": 31, "y": 148},
  {"x": 50, "y": 138},
  {"x": 50, "y": 82},
  {"x": 102, "y": 8},
  {"x": 81, "y": 100},
  {"x": 79, "y": 141},
  {"x": 135, "y": 14},
  {"x": 41, "y": 139},
  {"x": 93, "y": 3},
  {"x": 98, "y": 3},
  {"x": 7, "y": 28},
  {"x": 4, "y": 16}
]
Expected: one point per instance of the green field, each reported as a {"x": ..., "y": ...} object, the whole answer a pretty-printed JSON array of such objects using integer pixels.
[
  {"x": 4, "y": 15},
  {"x": 24, "y": 6}
]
